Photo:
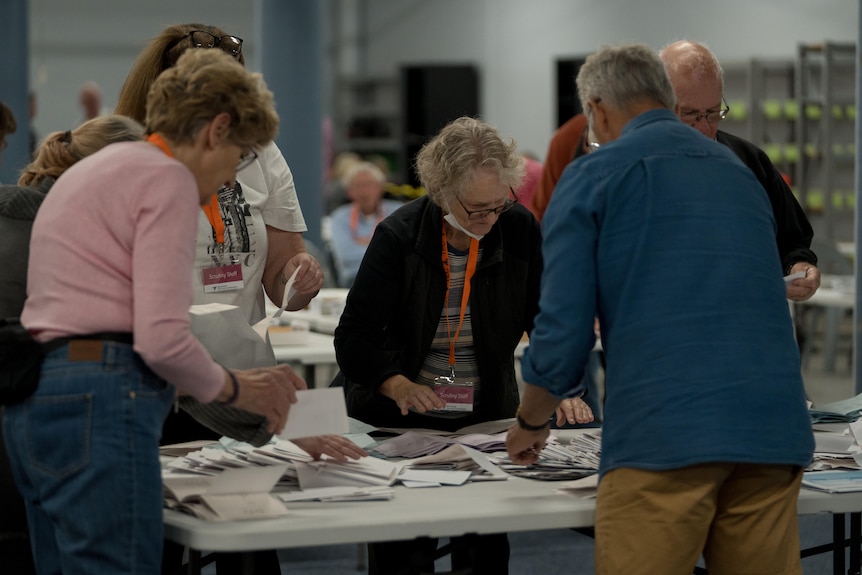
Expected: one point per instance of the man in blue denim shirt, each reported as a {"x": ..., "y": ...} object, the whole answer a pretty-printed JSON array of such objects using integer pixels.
[{"x": 661, "y": 234}]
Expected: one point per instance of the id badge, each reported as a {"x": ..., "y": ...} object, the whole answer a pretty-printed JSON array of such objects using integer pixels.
[
  {"x": 218, "y": 279},
  {"x": 458, "y": 396}
]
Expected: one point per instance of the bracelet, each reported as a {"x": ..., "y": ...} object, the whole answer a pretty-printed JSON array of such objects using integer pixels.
[
  {"x": 235, "y": 395},
  {"x": 524, "y": 425}
]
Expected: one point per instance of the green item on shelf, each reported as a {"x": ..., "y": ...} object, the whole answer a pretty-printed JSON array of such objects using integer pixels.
[
  {"x": 837, "y": 111},
  {"x": 772, "y": 109},
  {"x": 814, "y": 202},
  {"x": 851, "y": 112},
  {"x": 791, "y": 109},
  {"x": 791, "y": 153},
  {"x": 774, "y": 152},
  {"x": 812, "y": 112},
  {"x": 738, "y": 110}
]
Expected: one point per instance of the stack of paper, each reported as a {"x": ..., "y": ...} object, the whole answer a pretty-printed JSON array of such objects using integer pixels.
[
  {"x": 239, "y": 493},
  {"x": 558, "y": 462},
  {"x": 417, "y": 444},
  {"x": 338, "y": 494},
  {"x": 843, "y": 411},
  {"x": 833, "y": 481}
]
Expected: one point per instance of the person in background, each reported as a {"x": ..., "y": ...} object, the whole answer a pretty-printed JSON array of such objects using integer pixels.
[
  {"x": 567, "y": 143},
  {"x": 108, "y": 296},
  {"x": 351, "y": 225},
  {"x": 673, "y": 292},
  {"x": 8, "y": 125},
  {"x": 90, "y": 102},
  {"x": 335, "y": 192},
  {"x": 18, "y": 206},
  {"x": 531, "y": 181},
  {"x": 698, "y": 81},
  {"x": 448, "y": 285},
  {"x": 32, "y": 109}
]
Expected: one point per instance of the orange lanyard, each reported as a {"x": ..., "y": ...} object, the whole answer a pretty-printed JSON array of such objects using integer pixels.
[
  {"x": 354, "y": 225},
  {"x": 214, "y": 216},
  {"x": 212, "y": 210},
  {"x": 472, "y": 257}
]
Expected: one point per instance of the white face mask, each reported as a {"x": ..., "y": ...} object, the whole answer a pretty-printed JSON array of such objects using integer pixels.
[{"x": 454, "y": 223}]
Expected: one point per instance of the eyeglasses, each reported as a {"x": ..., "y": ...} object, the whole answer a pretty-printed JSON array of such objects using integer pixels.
[
  {"x": 199, "y": 39},
  {"x": 711, "y": 116},
  {"x": 474, "y": 215},
  {"x": 246, "y": 160}
]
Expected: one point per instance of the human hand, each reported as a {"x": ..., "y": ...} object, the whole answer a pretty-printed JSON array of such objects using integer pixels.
[
  {"x": 407, "y": 394},
  {"x": 335, "y": 446},
  {"x": 803, "y": 288},
  {"x": 574, "y": 410},
  {"x": 268, "y": 391},
  {"x": 524, "y": 446},
  {"x": 309, "y": 280}
]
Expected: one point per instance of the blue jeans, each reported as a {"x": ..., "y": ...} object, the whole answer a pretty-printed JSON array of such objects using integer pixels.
[{"x": 84, "y": 454}]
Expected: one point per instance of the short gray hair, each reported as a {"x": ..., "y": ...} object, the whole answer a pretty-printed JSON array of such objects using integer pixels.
[
  {"x": 362, "y": 167},
  {"x": 447, "y": 164},
  {"x": 624, "y": 76}
]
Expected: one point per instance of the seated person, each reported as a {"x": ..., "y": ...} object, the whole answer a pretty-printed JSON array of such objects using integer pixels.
[{"x": 353, "y": 224}]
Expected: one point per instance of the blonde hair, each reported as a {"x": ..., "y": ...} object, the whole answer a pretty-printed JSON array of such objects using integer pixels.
[
  {"x": 204, "y": 84},
  {"x": 447, "y": 164},
  {"x": 60, "y": 150}
]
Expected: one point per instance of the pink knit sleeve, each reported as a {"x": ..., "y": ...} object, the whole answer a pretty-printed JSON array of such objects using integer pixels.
[{"x": 162, "y": 264}]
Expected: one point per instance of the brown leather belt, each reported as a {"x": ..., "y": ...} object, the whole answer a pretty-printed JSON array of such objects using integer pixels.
[{"x": 86, "y": 347}]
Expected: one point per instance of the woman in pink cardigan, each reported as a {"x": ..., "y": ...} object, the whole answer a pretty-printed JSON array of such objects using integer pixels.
[{"x": 109, "y": 287}]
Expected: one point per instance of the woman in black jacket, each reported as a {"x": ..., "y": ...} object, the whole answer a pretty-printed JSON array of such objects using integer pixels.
[{"x": 448, "y": 286}]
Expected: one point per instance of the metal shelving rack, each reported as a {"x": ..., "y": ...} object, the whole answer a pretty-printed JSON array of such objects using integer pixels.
[{"x": 825, "y": 128}]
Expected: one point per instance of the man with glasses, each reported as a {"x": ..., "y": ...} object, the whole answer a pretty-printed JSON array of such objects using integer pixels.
[{"x": 698, "y": 82}]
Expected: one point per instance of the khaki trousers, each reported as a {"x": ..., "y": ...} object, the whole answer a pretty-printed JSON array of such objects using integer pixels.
[{"x": 741, "y": 517}]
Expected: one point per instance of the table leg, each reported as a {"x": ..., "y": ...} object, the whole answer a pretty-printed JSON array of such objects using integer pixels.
[
  {"x": 838, "y": 544},
  {"x": 855, "y": 541},
  {"x": 195, "y": 562}
]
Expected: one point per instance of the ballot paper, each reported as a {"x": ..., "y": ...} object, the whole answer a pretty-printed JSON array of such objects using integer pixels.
[
  {"x": 262, "y": 327},
  {"x": 833, "y": 481},
  {"x": 339, "y": 493},
  {"x": 319, "y": 411},
  {"x": 233, "y": 494},
  {"x": 843, "y": 411},
  {"x": 798, "y": 275},
  {"x": 360, "y": 472}
]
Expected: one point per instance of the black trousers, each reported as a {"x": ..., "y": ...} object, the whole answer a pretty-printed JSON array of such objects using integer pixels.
[{"x": 475, "y": 554}]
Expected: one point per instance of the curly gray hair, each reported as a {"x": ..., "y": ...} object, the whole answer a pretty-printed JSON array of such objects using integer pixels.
[{"x": 447, "y": 164}]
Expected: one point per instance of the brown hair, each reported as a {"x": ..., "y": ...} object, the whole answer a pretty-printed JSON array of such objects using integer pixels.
[
  {"x": 60, "y": 150},
  {"x": 161, "y": 53},
  {"x": 204, "y": 84}
]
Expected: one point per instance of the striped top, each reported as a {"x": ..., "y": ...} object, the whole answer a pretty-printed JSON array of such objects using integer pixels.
[{"x": 437, "y": 361}]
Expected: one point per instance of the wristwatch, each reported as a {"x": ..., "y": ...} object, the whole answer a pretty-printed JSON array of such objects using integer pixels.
[{"x": 524, "y": 425}]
